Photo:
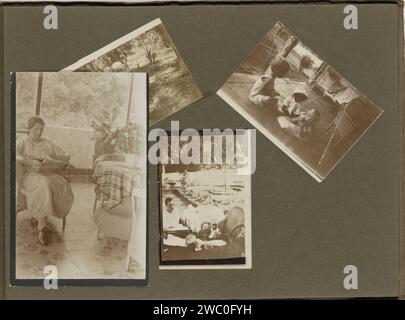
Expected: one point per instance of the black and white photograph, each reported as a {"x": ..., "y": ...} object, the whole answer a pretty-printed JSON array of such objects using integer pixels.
[
  {"x": 205, "y": 213},
  {"x": 148, "y": 49},
  {"x": 299, "y": 102},
  {"x": 80, "y": 174}
]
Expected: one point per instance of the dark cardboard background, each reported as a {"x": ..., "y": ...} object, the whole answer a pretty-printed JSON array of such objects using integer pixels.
[{"x": 304, "y": 233}]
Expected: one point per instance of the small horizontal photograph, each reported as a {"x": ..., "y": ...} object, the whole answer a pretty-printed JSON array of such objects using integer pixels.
[
  {"x": 299, "y": 102},
  {"x": 80, "y": 177},
  {"x": 205, "y": 215},
  {"x": 148, "y": 49}
]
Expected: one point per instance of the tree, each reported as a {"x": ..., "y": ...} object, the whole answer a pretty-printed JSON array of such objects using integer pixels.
[
  {"x": 26, "y": 86},
  {"x": 150, "y": 42},
  {"x": 78, "y": 100}
]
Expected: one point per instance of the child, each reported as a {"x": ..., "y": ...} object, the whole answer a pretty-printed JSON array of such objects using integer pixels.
[
  {"x": 263, "y": 93},
  {"x": 306, "y": 122},
  {"x": 292, "y": 104},
  {"x": 300, "y": 126},
  {"x": 197, "y": 244}
]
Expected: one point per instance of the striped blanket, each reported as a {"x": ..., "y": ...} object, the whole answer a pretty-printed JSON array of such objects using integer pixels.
[{"x": 116, "y": 181}]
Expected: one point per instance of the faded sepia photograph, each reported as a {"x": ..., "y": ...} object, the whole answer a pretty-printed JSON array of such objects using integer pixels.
[
  {"x": 148, "y": 49},
  {"x": 299, "y": 102},
  {"x": 205, "y": 214},
  {"x": 80, "y": 174}
]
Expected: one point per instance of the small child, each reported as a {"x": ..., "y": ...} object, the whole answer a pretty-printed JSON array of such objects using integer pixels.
[
  {"x": 292, "y": 104},
  {"x": 306, "y": 121},
  {"x": 263, "y": 93}
]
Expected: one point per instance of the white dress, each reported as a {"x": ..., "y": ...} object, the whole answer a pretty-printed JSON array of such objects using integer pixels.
[{"x": 43, "y": 193}]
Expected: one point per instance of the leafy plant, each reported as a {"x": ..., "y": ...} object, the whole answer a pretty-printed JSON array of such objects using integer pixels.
[
  {"x": 306, "y": 62},
  {"x": 123, "y": 140}
]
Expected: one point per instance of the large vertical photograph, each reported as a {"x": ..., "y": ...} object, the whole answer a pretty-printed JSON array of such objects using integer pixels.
[
  {"x": 299, "y": 102},
  {"x": 148, "y": 49},
  {"x": 80, "y": 177},
  {"x": 205, "y": 211}
]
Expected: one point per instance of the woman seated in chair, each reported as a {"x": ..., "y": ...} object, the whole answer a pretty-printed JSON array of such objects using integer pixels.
[{"x": 46, "y": 192}]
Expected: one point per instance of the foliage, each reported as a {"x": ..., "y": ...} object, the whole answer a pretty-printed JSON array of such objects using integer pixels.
[
  {"x": 306, "y": 62},
  {"x": 26, "y": 86},
  {"x": 150, "y": 42},
  {"x": 124, "y": 140},
  {"x": 75, "y": 102},
  {"x": 170, "y": 84}
]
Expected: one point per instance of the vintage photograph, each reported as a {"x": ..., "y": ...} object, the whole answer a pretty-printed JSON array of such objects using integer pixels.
[
  {"x": 299, "y": 102},
  {"x": 80, "y": 174},
  {"x": 205, "y": 215},
  {"x": 148, "y": 49}
]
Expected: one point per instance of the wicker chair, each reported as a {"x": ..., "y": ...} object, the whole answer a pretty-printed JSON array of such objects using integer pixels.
[{"x": 116, "y": 222}]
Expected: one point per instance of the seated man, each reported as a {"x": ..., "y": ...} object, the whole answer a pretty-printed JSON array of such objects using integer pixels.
[
  {"x": 172, "y": 216},
  {"x": 263, "y": 93}
]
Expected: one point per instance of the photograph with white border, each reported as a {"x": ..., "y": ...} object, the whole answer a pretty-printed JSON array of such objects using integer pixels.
[
  {"x": 205, "y": 208},
  {"x": 80, "y": 178},
  {"x": 148, "y": 49},
  {"x": 299, "y": 102}
]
